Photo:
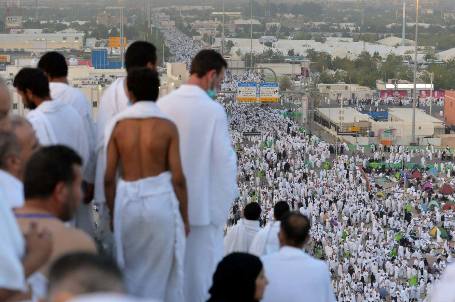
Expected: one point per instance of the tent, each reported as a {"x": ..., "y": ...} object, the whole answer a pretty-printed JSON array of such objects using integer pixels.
[{"x": 446, "y": 189}]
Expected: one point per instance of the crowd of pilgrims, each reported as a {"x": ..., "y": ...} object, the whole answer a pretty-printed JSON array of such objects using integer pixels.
[
  {"x": 375, "y": 248},
  {"x": 377, "y": 230}
]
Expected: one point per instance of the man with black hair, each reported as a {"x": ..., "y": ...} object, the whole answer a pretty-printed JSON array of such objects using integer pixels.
[
  {"x": 148, "y": 204},
  {"x": 52, "y": 189},
  {"x": 209, "y": 164},
  {"x": 55, "y": 122},
  {"x": 240, "y": 236},
  {"x": 293, "y": 274},
  {"x": 113, "y": 101},
  {"x": 55, "y": 67},
  {"x": 266, "y": 240}
]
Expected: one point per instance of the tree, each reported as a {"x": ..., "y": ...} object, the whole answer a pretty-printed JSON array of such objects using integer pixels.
[
  {"x": 285, "y": 83},
  {"x": 291, "y": 53}
]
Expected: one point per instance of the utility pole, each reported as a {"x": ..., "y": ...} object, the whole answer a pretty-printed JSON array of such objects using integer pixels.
[
  {"x": 251, "y": 33},
  {"x": 403, "y": 34},
  {"x": 222, "y": 33},
  {"x": 432, "y": 89},
  {"x": 122, "y": 34},
  {"x": 414, "y": 101}
]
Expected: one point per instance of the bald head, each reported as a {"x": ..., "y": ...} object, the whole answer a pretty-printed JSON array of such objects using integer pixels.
[
  {"x": 294, "y": 230},
  {"x": 17, "y": 143},
  {"x": 5, "y": 100}
]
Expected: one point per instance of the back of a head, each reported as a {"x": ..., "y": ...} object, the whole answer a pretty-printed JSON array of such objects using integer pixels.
[
  {"x": 83, "y": 273},
  {"x": 46, "y": 168},
  {"x": 296, "y": 228},
  {"x": 280, "y": 209},
  {"x": 207, "y": 60},
  {"x": 143, "y": 83},
  {"x": 54, "y": 65},
  {"x": 252, "y": 211},
  {"x": 9, "y": 146},
  {"x": 33, "y": 79},
  {"x": 235, "y": 278},
  {"x": 140, "y": 54}
]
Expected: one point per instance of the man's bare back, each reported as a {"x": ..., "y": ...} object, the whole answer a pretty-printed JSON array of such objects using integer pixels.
[
  {"x": 143, "y": 147},
  {"x": 65, "y": 239}
]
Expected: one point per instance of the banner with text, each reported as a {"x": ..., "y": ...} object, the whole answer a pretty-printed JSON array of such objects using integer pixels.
[{"x": 251, "y": 92}]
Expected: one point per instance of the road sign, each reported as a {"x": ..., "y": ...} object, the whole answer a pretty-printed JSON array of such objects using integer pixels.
[
  {"x": 247, "y": 92},
  {"x": 269, "y": 92}
]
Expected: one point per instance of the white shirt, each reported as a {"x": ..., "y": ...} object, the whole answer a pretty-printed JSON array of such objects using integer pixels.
[
  {"x": 443, "y": 290},
  {"x": 266, "y": 240},
  {"x": 13, "y": 189},
  {"x": 109, "y": 297},
  {"x": 295, "y": 276},
  {"x": 113, "y": 101},
  {"x": 240, "y": 236},
  {"x": 12, "y": 275},
  {"x": 76, "y": 99},
  {"x": 58, "y": 123},
  {"x": 208, "y": 159}
]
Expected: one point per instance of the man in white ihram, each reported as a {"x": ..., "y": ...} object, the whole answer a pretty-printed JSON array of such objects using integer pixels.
[
  {"x": 266, "y": 240},
  {"x": 293, "y": 274},
  {"x": 114, "y": 101},
  {"x": 239, "y": 237},
  {"x": 55, "y": 67},
  {"x": 209, "y": 164},
  {"x": 54, "y": 121}
]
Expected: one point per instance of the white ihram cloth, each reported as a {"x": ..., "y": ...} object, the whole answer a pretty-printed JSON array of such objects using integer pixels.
[
  {"x": 13, "y": 189},
  {"x": 295, "y": 276},
  {"x": 240, "y": 236},
  {"x": 108, "y": 297},
  {"x": 56, "y": 122},
  {"x": 12, "y": 275},
  {"x": 148, "y": 227},
  {"x": 443, "y": 290},
  {"x": 77, "y": 100},
  {"x": 210, "y": 166},
  {"x": 266, "y": 240},
  {"x": 113, "y": 101}
]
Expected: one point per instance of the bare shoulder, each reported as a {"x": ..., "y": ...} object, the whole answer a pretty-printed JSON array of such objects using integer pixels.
[{"x": 83, "y": 241}]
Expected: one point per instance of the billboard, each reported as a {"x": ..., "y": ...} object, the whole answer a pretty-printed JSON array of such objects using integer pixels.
[
  {"x": 247, "y": 92},
  {"x": 252, "y": 92},
  {"x": 115, "y": 42},
  {"x": 269, "y": 92},
  {"x": 5, "y": 59},
  {"x": 13, "y": 22}
]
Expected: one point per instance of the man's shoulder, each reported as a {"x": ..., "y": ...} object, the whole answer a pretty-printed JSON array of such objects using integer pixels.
[{"x": 82, "y": 239}]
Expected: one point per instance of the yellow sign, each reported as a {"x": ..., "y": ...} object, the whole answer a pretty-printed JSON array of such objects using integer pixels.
[{"x": 114, "y": 42}]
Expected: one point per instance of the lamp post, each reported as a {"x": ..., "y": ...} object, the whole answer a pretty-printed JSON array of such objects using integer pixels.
[
  {"x": 251, "y": 33},
  {"x": 415, "y": 77},
  {"x": 122, "y": 44}
]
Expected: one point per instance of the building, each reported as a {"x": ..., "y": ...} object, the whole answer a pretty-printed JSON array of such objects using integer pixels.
[
  {"x": 42, "y": 42},
  {"x": 356, "y": 127},
  {"x": 342, "y": 91},
  {"x": 449, "y": 108}
]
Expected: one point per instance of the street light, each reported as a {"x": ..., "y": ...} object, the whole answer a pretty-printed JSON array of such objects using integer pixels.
[
  {"x": 415, "y": 77},
  {"x": 122, "y": 45}
]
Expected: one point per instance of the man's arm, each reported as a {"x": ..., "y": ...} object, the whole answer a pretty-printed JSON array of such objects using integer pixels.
[
  {"x": 111, "y": 173},
  {"x": 224, "y": 166},
  {"x": 38, "y": 251},
  {"x": 178, "y": 178}
]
